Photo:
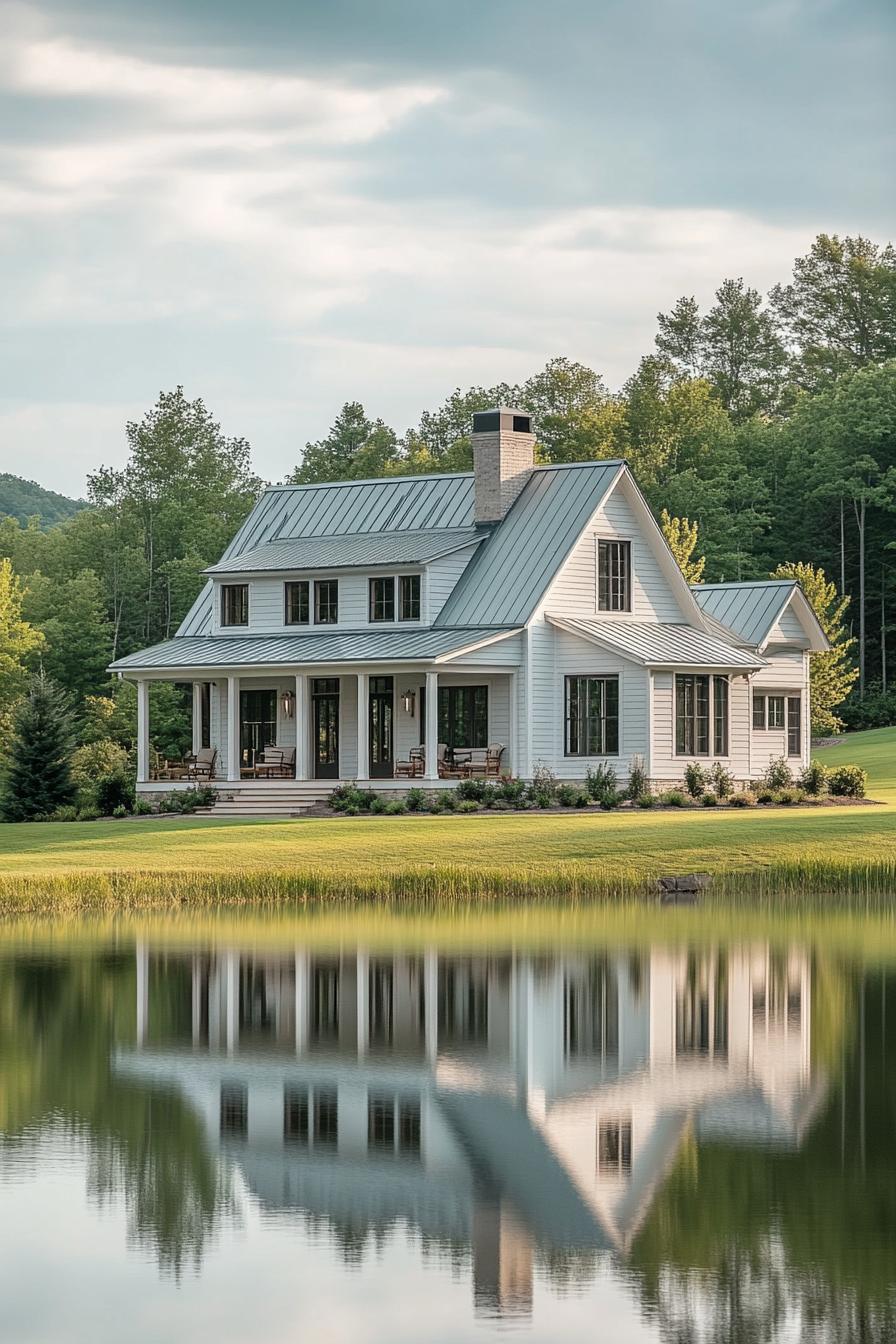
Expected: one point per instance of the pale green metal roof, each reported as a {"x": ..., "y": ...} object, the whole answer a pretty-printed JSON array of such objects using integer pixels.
[
  {"x": 344, "y": 552},
  {"x": 749, "y": 609},
  {"x": 655, "y": 645},
  {"x": 509, "y": 575},
  {"x": 349, "y": 646}
]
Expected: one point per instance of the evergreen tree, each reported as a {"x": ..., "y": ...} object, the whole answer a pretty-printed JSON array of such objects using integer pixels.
[
  {"x": 37, "y": 773},
  {"x": 832, "y": 674},
  {"x": 681, "y": 535}
]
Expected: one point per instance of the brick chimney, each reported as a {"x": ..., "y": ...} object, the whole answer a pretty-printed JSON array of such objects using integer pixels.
[{"x": 503, "y": 457}]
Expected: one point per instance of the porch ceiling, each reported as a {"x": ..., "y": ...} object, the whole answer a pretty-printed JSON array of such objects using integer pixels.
[{"x": 351, "y": 646}]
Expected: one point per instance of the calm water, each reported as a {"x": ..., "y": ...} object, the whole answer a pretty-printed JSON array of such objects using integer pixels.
[{"x": 275, "y": 1143}]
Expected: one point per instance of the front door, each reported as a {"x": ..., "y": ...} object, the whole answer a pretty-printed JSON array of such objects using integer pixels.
[
  {"x": 325, "y": 709},
  {"x": 381, "y": 724},
  {"x": 258, "y": 723}
]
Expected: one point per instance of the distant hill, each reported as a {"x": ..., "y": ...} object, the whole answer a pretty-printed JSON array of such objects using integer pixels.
[{"x": 22, "y": 499}]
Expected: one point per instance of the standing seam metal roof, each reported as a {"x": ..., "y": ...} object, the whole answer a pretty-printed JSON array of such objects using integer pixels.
[
  {"x": 749, "y": 609},
  {"x": 369, "y": 548},
  {"x": 662, "y": 645}
]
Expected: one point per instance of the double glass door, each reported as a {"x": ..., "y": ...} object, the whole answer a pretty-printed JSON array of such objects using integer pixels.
[
  {"x": 381, "y": 727},
  {"x": 325, "y": 711}
]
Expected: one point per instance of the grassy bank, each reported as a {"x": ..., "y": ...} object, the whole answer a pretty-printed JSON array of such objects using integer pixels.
[{"x": 849, "y": 853}]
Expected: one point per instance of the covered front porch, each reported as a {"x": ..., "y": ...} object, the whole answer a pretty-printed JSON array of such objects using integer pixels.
[{"x": 384, "y": 727}]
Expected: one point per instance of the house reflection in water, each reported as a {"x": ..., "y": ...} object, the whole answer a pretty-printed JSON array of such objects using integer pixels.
[{"x": 511, "y": 1104}]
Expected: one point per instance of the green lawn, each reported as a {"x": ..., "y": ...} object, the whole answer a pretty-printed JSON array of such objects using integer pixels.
[{"x": 640, "y": 844}]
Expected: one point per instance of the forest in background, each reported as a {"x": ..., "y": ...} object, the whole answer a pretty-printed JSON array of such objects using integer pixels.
[{"x": 769, "y": 421}]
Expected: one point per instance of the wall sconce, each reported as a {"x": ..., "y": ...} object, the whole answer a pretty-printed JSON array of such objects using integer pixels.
[
  {"x": 287, "y": 703},
  {"x": 408, "y": 701}
]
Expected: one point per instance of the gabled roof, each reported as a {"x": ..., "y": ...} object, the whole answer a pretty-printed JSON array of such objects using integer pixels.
[
  {"x": 413, "y": 547},
  {"x": 350, "y": 646},
  {"x": 509, "y": 575},
  {"x": 752, "y": 609},
  {"x": 661, "y": 645}
]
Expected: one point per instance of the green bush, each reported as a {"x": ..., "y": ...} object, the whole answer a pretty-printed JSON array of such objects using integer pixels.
[
  {"x": 602, "y": 783},
  {"x": 143, "y": 808},
  {"x": 113, "y": 791},
  {"x": 567, "y": 795},
  {"x": 468, "y": 805},
  {"x": 544, "y": 781},
  {"x": 67, "y": 813},
  {"x": 709, "y": 800},
  {"x": 722, "y": 780},
  {"x": 415, "y": 800},
  {"x": 847, "y": 781},
  {"x": 814, "y": 779},
  {"x": 37, "y": 765},
  {"x": 789, "y": 797},
  {"x": 743, "y": 799},
  {"x": 95, "y": 760},
  {"x": 346, "y": 795},
  {"x": 638, "y": 783},
  {"x": 377, "y": 806},
  {"x": 448, "y": 801},
  {"x": 646, "y": 800},
  {"x": 777, "y": 774},
  {"x": 674, "y": 798},
  {"x": 187, "y": 800},
  {"x": 88, "y": 814},
  {"x": 471, "y": 789},
  {"x": 396, "y": 808},
  {"x": 765, "y": 794},
  {"x": 120, "y": 811},
  {"x": 695, "y": 779},
  {"x": 349, "y": 810},
  {"x": 540, "y": 798},
  {"x": 513, "y": 791},
  {"x": 874, "y": 710}
]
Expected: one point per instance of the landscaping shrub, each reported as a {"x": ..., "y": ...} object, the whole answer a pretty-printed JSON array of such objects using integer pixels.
[
  {"x": 491, "y": 795},
  {"x": 540, "y": 798},
  {"x": 87, "y": 814},
  {"x": 120, "y": 811},
  {"x": 345, "y": 796},
  {"x": 513, "y": 791},
  {"x": 645, "y": 800},
  {"x": 544, "y": 781},
  {"x": 377, "y": 806},
  {"x": 349, "y": 810},
  {"x": 743, "y": 799},
  {"x": 472, "y": 788},
  {"x": 568, "y": 795},
  {"x": 722, "y": 780},
  {"x": 602, "y": 784},
  {"x": 847, "y": 781},
  {"x": 113, "y": 791},
  {"x": 674, "y": 798},
  {"x": 778, "y": 774},
  {"x": 709, "y": 800},
  {"x": 789, "y": 797},
  {"x": 143, "y": 808},
  {"x": 67, "y": 813},
  {"x": 415, "y": 800},
  {"x": 694, "y": 779},
  {"x": 765, "y": 794},
  {"x": 468, "y": 805},
  {"x": 448, "y": 801},
  {"x": 187, "y": 800},
  {"x": 814, "y": 779},
  {"x": 396, "y": 808},
  {"x": 638, "y": 783},
  {"x": 875, "y": 710}
]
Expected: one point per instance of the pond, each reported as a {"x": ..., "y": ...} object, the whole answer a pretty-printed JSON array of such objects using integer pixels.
[{"x": 246, "y": 1134}]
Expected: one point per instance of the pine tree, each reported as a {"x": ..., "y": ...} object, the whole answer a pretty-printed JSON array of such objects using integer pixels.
[
  {"x": 832, "y": 674},
  {"x": 37, "y": 776},
  {"x": 681, "y": 535}
]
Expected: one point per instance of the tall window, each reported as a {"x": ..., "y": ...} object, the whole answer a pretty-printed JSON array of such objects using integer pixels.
[
  {"x": 326, "y": 601},
  {"x": 409, "y": 597},
  {"x": 613, "y": 575},
  {"x": 463, "y": 716},
  {"x": 382, "y": 599},
  {"x": 794, "y": 725},
  {"x": 758, "y": 710},
  {"x": 592, "y": 716},
  {"x": 235, "y": 604},
  {"x": 720, "y": 716},
  {"x": 692, "y": 716},
  {"x": 776, "y": 711},
  {"x": 298, "y": 605}
]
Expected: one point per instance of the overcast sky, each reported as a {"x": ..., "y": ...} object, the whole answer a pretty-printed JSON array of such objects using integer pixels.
[{"x": 288, "y": 204}]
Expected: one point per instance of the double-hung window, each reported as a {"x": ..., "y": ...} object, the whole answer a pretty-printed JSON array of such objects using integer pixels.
[
  {"x": 720, "y": 716},
  {"x": 409, "y": 597},
  {"x": 776, "y": 711},
  {"x": 794, "y": 725},
  {"x": 326, "y": 601},
  {"x": 235, "y": 604},
  {"x": 701, "y": 715},
  {"x": 614, "y": 576},
  {"x": 298, "y": 602},
  {"x": 382, "y": 599},
  {"x": 592, "y": 716}
]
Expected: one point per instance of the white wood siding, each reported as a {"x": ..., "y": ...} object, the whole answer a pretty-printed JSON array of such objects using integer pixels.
[
  {"x": 441, "y": 579},
  {"x": 507, "y": 652},
  {"x": 787, "y": 629}
]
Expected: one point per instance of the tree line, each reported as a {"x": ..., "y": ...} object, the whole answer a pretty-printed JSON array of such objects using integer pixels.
[{"x": 766, "y": 423}]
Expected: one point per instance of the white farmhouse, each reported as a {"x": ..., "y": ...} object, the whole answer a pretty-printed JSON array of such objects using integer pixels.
[{"x": 509, "y": 617}]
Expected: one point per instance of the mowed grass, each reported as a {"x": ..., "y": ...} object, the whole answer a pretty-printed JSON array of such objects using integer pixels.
[{"x": 457, "y": 854}]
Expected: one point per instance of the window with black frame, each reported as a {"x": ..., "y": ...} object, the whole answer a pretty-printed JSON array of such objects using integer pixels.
[
  {"x": 382, "y": 599},
  {"x": 691, "y": 715},
  {"x": 614, "y": 575},
  {"x": 463, "y": 716},
  {"x": 409, "y": 597},
  {"x": 720, "y": 716},
  {"x": 326, "y": 602},
  {"x": 592, "y": 716},
  {"x": 298, "y": 603},
  {"x": 794, "y": 725},
  {"x": 235, "y": 604}
]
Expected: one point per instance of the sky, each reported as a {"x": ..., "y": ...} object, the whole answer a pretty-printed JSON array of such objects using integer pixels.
[{"x": 291, "y": 204}]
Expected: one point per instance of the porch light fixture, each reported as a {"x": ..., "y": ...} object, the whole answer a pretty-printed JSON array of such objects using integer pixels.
[
  {"x": 408, "y": 700},
  {"x": 287, "y": 701}
]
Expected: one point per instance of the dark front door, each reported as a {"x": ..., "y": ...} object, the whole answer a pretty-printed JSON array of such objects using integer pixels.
[
  {"x": 258, "y": 723},
  {"x": 381, "y": 723},
  {"x": 325, "y": 702}
]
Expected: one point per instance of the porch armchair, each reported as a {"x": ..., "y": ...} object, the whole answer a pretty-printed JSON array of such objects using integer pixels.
[
  {"x": 276, "y": 762},
  {"x": 485, "y": 762},
  {"x": 413, "y": 766},
  {"x": 449, "y": 768},
  {"x": 202, "y": 764}
]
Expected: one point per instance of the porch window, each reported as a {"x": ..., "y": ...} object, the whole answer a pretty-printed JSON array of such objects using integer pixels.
[
  {"x": 326, "y": 601},
  {"x": 463, "y": 716},
  {"x": 613, "y": 575},
  {"x": 794, "y": 725},
  {"x": 235, "y": 604},
  {"x": 776, "y": 711},
  {"x": 720, "y": 716},
  {"x": 382, "y": 599},
  {"x": 758, "y": 711},
  {"x": 409, "y": 597},
  {"x": 692, "y": 716},
  {"x": 592, "y": 716},
  {"x": 298, "y": 603}
]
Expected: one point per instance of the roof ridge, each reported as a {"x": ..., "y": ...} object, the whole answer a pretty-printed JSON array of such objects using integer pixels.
[
  {"x": 745, "y": 583},
  {"x": 373, "y": 480}
]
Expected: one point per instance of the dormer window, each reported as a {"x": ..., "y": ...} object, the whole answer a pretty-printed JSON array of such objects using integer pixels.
[
  {"x": 409, "y": 597},
  {"x": 382, "y": 599},
  {"x": 392, "y": 598},
  {"x": 326, "y": 602},
  {"x": 614, "y": 575},
  {"x": 235, "y": 604},
  {"x": 298, "y": 602}
]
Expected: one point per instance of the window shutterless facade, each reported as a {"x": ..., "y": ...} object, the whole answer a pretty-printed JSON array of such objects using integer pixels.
[
  {"x": 775, "y": 711},
  {"x": 326, "y": 601},
  {"x": 794, "y": 725},
  {"x": 298, "y": 602},
  {"x": 701, "y": 715},
  {"x": 235, "y": 604},
  {"x": 409, "y": 597},
  {"x": 592, "y": 716},
  {"x": 614, "y": 575},
  {"x": 382, "y": 599},
  {"x": 758, "y": 711}
]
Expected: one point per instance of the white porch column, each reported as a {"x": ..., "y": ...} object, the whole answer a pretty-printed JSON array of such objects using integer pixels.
[
  {"x": 432, "y": 725},
  {"x": 142, "y": 731},
  {"x": 514, "y": 692},
  {"x": 303, "y": 726},
  {"x": 233, "y": 728},
  {"x": 197, "y": 716},
  {"x": 363, "y": 740}
]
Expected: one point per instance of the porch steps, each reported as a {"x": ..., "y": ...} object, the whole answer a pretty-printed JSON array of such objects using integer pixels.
[{"x": 272, "y": 801}]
